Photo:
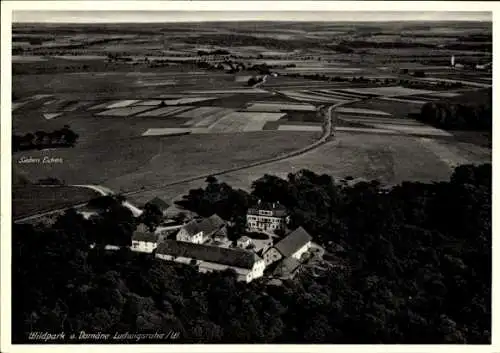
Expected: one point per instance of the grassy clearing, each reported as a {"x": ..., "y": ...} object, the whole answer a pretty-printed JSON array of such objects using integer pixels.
[
  {"x": 351, "y": 110},
  {"x": 414, "y": 100},
  {"x": 300, "y": 128},
  {"x": 30, "y": 199},
  {"x": 123, "y": 112},
  {"x": 398, "y": 109},
  {"x": 277, "y": 107},
  {"x": 388, "y": 91},
  {"x": 165, "y": 111},
  {"x": 388, "y": 158},
  {"x": 122, "y": 104},
  {"x": 129, "y": 163}
]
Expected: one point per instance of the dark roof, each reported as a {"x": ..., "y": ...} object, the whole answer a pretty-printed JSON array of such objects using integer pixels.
[
  {"x": 225, "y": 256},
  {"x": 145, "y": 236},
  {"x": 286, "y": 267},
  {"x": 162, "y": 205},
  {"x": 207, "y": 225},
  {"x": 293, "y": 242},
  {"x": 278, "y": 209}
]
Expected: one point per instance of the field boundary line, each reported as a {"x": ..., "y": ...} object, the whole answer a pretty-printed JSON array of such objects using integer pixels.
[{"x": 328, "y": 132}]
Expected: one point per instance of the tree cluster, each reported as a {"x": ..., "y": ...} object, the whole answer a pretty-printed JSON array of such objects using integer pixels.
[
  {"x": 64, "y": 137},
  {"x": 473, "y": 111},
  {"x": 418, "y": 255}
]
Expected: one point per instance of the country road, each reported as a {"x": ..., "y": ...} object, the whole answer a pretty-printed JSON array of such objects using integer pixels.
[{"x": 328, "y": 133}]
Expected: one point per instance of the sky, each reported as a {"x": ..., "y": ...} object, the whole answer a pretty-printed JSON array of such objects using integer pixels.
[{"x": 200, "y": 16}]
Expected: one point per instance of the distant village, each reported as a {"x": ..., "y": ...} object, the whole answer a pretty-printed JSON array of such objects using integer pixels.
[{"x": 267, "y": 248}]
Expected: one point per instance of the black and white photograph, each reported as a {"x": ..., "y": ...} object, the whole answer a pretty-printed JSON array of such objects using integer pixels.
[{"x": 245, "y": 177}]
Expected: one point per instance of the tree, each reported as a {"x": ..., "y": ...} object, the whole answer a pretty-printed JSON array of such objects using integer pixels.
[{"x": 152, "y": 216}]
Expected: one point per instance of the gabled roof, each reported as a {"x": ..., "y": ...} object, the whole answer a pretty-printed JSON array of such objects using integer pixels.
[
  {"x": 286, "y": 267},
  {"x": 233, "y": 257},
  {"x": 276, "y": 208},
  {"x": 293, "y": 242},
  {"x": 145, "y": 236},
  {"x": 162, "y": 205},
  {"x": 207, "y": 225}
]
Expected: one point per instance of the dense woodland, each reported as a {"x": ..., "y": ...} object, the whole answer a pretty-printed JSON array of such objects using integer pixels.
[
  {"x": 470, "y": 111},
  {"x": 419, "y": 260},
  {"x": 64, "y": 137}
]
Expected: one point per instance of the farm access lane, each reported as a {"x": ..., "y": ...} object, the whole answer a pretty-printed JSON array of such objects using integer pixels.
[{"x": 328, "y": 133}]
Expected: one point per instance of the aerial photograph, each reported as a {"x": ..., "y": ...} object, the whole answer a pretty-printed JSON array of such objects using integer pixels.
[{"x": 251, "y": 177}]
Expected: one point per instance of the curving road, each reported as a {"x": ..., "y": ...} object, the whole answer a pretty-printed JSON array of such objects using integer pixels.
[{"x": 328, "y": 133}]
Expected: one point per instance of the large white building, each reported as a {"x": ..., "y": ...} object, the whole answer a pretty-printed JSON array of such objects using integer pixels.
[
  {"x": 267, "y": 217},
  {"x": 293, "y": 245},
  {"x": 143, "y": 240},
  {"x": 247, "y": 265}
]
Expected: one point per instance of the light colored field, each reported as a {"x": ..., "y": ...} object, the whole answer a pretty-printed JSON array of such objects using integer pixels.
[
  {"x": 200, "y": 112},
  {"x": 387, "y": 158},
  {"x": 300, "y": 128},
  {"x": 50, "y": 102},
  {"x": 80, "y": 57},
  {"x": 210, "y": 120},
  {"x": 276, "y": 107},
  {"x": 165, "y": 111},
  {"x": 165, "y": 131},
  {"x": 421, "y": 130},
  {"x": 100, "y": 106},
  {"x": 123, "y": 112},
  {"x": 445, "y": 94},
  {"x": 360, "y": 111},
  {"x": 388, "y": 91},
  {"x": 187, "y": 100},
  {"x": 298, "y": 95},
  {"x": 306, "y": 69},
  {"x": 157, "y": 83},
  {"x": 244, "y": 121},
  {"x": 371, "y": 120},
  {"x": 412, "y": 101},
  {"x": 341, "y": 95},
  {"x": 466, "y": 83},
  {"x": 230, "y": 91},
  {"x": 444, "y": 153},
  {"x": 149, "y": 103},
  {"x": 254, "y": 125},
  {"x": 365, "y": 130},
  {"x": 242, "y": 78},
  {"x": 49, "y": 116},
  {"x": 122, "y": 104},
  {"x": 27, "y": 59},
  {"x": 17, "y": 105}
]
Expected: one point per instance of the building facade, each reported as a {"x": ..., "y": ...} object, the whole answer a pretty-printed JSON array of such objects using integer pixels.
[
  {"x": 294, "y": 245},
  {"x": 198, "y": 232},
  {"x": 247, "y": 265},
  {"x": 267, "y": 217}
]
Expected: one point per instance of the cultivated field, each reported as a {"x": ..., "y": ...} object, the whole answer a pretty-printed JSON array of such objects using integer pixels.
[{"x": 151, "y": 109}]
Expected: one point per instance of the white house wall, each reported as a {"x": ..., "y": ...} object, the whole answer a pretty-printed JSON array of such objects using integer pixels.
[
  {"x": 143, "y": 246},
  {"x": 302, "y": 250}
]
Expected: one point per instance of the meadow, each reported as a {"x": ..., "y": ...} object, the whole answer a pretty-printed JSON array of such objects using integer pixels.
[{"x": 176, "y": 115}]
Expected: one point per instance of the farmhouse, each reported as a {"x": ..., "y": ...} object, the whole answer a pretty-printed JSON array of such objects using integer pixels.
[
  {"x": 293, "y": 245},
  {"x": 143, "y": 240},
  {"x": 247, "y": 265},
  {"x": 267, "y": 217},
  {"x": 199, "y": 231},
  {"x": 162, "y": 205},
  {"x": 287, "y": 268},
  {"x": 243, "y": 242}
]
